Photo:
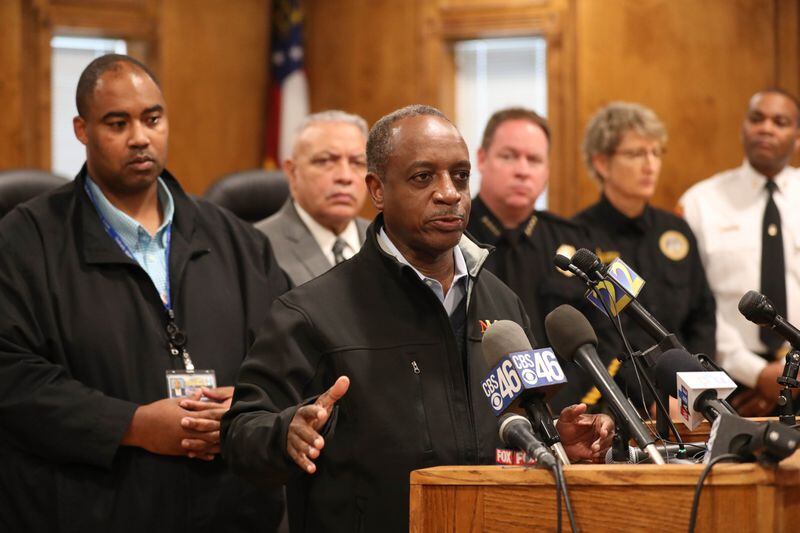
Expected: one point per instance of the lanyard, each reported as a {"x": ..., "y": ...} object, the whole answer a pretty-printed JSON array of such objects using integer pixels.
[{"x": 177, "y": 338}]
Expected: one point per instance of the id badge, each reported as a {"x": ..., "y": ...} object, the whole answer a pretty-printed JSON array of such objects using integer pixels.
[{"x": 181, "y": 384}]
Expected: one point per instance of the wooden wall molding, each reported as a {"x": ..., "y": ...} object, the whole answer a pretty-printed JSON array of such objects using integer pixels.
[
  {"x": 496, "y": 20},
  {"x": 127, "y": 19}
]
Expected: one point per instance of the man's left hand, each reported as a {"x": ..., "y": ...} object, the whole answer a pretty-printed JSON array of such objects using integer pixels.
[
  {"x": 585, "y": 437},
  {"x": 208, "y": 413}
]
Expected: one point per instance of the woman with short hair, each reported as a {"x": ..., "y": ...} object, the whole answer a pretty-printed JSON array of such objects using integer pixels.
[{"x": 623, "y": 149}]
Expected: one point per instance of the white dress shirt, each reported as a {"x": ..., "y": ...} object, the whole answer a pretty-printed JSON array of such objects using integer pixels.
[
  {"x": 325, "y": 237},
  {"x": 726, "y": 213}
]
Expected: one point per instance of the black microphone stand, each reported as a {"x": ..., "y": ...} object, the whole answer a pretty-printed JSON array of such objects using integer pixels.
[
  {"x": 620, "y": 444},
  {"x": 647, "y": 360},
  {"x": 789, "y": 381}
]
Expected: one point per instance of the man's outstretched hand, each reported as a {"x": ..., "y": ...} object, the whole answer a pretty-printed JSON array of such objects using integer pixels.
[
  {"x": 304, "y": 443},
  {"x": 585, "y": 437}
]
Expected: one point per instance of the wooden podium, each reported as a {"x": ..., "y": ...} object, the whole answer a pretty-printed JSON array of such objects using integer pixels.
[{"x": 505, "y": 499}]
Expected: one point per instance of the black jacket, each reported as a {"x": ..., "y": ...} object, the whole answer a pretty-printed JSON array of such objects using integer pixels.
[
  {"x": 83, "y": 343},
  {"x": 409, "y": 405}
]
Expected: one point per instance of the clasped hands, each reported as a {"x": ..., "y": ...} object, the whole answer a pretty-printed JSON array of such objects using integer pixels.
[{"x": 181, "y": 426}]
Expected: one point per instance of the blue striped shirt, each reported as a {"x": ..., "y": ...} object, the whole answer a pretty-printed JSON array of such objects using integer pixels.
[{"x": 148, "y": 251}]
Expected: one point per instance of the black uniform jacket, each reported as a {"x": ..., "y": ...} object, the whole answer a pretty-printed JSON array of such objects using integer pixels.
[
  {"x": 523, "y": 259},
  {"x": 662, "y": 249},
  {"x": 83, "y": 343},
  {"x": 409, "y": 406}
]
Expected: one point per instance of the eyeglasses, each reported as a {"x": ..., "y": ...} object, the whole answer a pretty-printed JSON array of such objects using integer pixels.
[{"x": 641, "y": 154}]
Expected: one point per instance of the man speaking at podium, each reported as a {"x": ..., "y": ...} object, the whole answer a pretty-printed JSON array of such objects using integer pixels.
[{"x": 373, "y": 369}]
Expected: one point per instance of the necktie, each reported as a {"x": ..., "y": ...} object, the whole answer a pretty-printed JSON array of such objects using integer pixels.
[
  {"x": 773, "y": 273},
  {"x": 338, "y": 249}
]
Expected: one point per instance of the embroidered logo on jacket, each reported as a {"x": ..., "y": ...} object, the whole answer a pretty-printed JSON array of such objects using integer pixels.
[{"x": 485, "y": 325}]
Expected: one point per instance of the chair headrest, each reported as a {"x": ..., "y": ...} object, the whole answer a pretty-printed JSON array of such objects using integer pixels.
[
  {"x": 20, "y": 185},
  {"x": 252, "y": 195}
]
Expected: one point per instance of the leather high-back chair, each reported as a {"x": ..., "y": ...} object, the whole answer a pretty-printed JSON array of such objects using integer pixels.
[
  {"x": 20, "y": 185},
  {"x": 252, "y": 195}
]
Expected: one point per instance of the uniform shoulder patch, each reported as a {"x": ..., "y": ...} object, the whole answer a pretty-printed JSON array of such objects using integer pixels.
[{"x": 674, "y": 245}]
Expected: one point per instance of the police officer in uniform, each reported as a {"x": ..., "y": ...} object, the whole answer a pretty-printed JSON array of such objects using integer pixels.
[
  {"x": 623, "y": 147},
  {"x": 514, "y": 164}
]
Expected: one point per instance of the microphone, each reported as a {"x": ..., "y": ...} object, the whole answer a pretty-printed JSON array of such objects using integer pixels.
[
  {"x": 563, "y": 262},
  {"x": 573, "y": 338},
  {"x": 758, "y": 309},
  {"x": 768, "y": 442},
  {"x": 522, "y": 377},
  {"x": 589, "y": 263},
  {"x": 701, "y": 394},
  {"x": 516, "y": 432}
]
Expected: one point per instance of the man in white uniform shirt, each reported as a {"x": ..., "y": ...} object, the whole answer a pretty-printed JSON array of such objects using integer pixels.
[
  {"x": 735, "y": 215},
  {"x": 317, "y": 226}
]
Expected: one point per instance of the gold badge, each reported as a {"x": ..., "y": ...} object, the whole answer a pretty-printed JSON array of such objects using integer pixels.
[
  {"x": 606, "y": 256},
  {"x": 674, "y": 245},
  {"x": 567, "y": 250}
]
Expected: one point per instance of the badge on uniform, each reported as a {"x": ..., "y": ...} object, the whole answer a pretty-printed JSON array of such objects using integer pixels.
[
  {"x": 674, "y": 245},
  {"x": 181, "y": 383}
]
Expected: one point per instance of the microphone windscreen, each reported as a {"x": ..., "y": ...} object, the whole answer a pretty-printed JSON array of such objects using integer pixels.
[
  {"x": 756, "y": 308},
  {"x": 502, "y": 338},
  {"x": 670, "y": 363},
  {"x": 568, "y": 330},
  {"x": 561, "y": 261},
  {"x": 586, "y": 260}
]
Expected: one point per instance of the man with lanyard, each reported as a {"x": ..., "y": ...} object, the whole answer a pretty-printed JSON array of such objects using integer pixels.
[
  {"x": 374, "y": 368},
  {"x": 126, "y": 306}
]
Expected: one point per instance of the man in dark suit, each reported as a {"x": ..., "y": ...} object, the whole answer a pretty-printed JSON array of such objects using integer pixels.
[{"x": 317, "y": 226}]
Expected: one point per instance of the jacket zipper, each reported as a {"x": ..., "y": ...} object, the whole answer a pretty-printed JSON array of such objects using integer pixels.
[
  {"x": 470, "y": 409},
  {"x": 426, "y": 436}
]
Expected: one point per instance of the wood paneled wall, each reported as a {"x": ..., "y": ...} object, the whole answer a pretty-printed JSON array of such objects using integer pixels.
[
  {"x": 24, "y": 92},
  {"x": 210, "y": 56},
  {"x": 11, "y": 142},
  {"x": 213, "y": 64},
  {"x": 695, "y": 63}
]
